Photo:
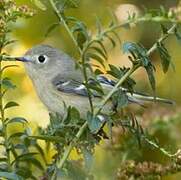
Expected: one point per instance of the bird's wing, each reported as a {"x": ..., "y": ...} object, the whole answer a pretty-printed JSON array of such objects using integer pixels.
[
  {"x": 72, "y": 86},
  {"x": 76, "y": 87}
]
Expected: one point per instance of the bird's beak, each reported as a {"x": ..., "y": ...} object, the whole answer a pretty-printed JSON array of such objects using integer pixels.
[{"x": 22, "y": 59}]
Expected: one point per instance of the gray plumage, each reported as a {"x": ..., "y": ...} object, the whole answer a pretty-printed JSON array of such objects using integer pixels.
[{"x": 59, "y": 83}]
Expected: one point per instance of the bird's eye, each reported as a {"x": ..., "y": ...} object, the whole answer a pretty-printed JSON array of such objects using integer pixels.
[{"x": 42, "y": 58}]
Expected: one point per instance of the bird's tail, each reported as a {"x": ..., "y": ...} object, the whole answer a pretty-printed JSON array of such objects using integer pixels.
[{"x": 140, "y": 98}]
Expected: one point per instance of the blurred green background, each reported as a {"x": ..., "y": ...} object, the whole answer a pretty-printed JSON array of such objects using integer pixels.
[{"x": 32, "y": 31}]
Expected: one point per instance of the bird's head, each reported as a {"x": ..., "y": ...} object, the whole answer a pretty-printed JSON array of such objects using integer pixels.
[{"x": 44, "y": 60}]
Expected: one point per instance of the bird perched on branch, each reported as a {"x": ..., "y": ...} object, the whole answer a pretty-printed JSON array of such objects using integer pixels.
[{"x": 59, "y": 83}]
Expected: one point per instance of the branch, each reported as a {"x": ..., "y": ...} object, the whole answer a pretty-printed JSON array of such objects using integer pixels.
[{"x": 104, "y": 101}]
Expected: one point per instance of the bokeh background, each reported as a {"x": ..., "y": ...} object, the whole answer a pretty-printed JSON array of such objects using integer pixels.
[{"x": 32, "y": 31}]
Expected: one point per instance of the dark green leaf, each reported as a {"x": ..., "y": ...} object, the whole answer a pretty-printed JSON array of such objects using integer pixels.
[
  {"x": 150, "y": 71},
  {"x": 94, "y": 123},
  {"x": 24, "y": 157},
  {"x": 41, "y": 151},
  {"x": 24, "y": 172},
  {"x": 15, "y": 135},
  {"x": 11, "y": 104},
  {"x": 17, "y": 120},
  {"x": 48, "y": 138},
  {"x": 164, "y": 29},
  {"x": 102, "y": 46},
  {"x": 3, "y": 159},
  {"x": 120, "y": 99},
  {"x": 98, "y": 72},
  {"x": 81, "y": 39},
  {"x": 96, "y": 57},
  {"x": 111, "y": 40},
  {"x": 178, "y": 35},
  {"x": 165, "y": 57},
  {"x": 6, "y": 83},
  {"x": 100, "y": 52}
]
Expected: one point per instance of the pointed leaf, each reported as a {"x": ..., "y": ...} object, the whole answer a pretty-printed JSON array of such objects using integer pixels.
[
  {"x": 165, "y": 57},
  {"x": 11, "y": 104},
  {"x": 17, "y": 120}
]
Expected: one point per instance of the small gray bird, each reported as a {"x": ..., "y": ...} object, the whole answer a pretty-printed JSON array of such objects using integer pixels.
[{"x": 59, "y": 83}]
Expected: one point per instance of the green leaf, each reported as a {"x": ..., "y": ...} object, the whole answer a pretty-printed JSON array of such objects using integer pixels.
[
  {"x": 81, "y": 39},
  {"x": 41, "y": 151},
  {"x": 17, "y": 120},
  {"x": 6, "y": 83},
  {"x": 51, "y": 28},
  {"x": 164, "y": 29},
  {"x": 25, "y": 172},
  {"x": 11, "y": 104},
  {"x": 100, "y": 52},
  {"x": 150, "y": 72},
  {"x": 15, "y": 135},
  {"x": 165, "y": 57},
  {"x": 95, "y": 86},
  {"x": 10, "y": 176},
  {"x": 111, "y": 40},
  {"x": 3, "y": 159},
  {"x": 48, "y": 138},
  {"x": 94, "y": 123},
  {"x": 120, "y": 99},
  {"x": 96, "y": 57},
  {"x": 102, "y": 46},
  {"x": 40, "y": 5},
  {"x": 24, "y": 157},
  {"x": 114, "y": 71},
  {"x": 178, "y": 35},
  {"x": 137, "y": 51}
]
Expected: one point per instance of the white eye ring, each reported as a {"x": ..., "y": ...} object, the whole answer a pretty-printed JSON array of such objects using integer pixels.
[{"x": 42, "y": 59}]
